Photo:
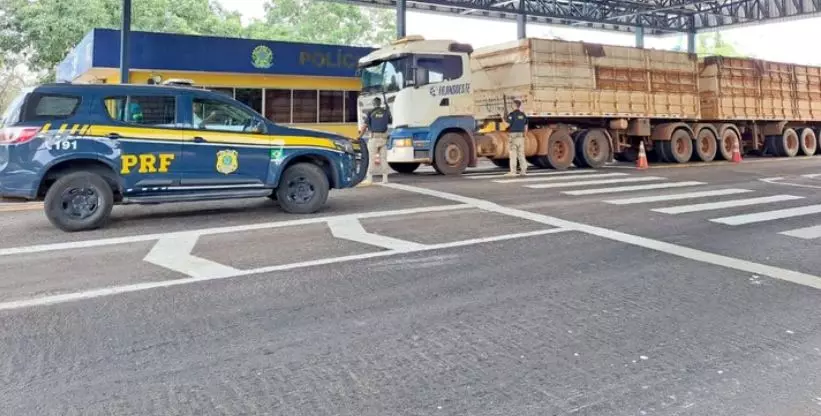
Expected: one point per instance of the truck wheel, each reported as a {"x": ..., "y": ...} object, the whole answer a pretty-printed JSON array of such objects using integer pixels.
[
  {"x": 450, "y": 157},
  {"x": 786, "y": 145},
  {"x": 303, "y": 189},
  {"x": 725, "y": 144},
  {"x": 679, "y": 148},
  {"x": 705, "y": 146},
  {"x": 592, "y": 149},
  {"x": 809, "y": 143},
  {"x": 79, "y": 201},
  {"x": 629, "y": 155},
  {"x": 538, "y": 161},
  {"x": 560, "y": 150},
  {"x": 502, "y": 163},
  {"x": 404, "y": 167}
]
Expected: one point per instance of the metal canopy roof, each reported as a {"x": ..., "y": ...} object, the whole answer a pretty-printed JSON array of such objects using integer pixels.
[{"x": 655, "y": 16}]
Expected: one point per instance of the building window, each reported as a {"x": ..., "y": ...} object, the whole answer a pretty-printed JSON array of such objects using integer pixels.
[
  {"x": 350, "y": 106},
  {"x": 305, "y": 106},
  {"x": 278, "y": 105},
  {"x": 252, "y": 97},
  {"x": 330, "y": 106},
  {"x": 146, "y": 110}
]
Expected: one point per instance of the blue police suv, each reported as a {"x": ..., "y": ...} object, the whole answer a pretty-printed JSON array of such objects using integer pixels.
[{"x": 82, "y": 148}]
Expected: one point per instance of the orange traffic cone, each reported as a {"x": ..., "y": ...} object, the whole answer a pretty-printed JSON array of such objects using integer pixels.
[
  {"x": 641, "y": 162},
  {"x": 736, "y": 152}
]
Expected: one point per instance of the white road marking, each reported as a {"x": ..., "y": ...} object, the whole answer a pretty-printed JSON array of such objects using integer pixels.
[
  {"x": 115, "y": 290},
  {"x": 174, "y": 252},
  {"x": 351, "y": 229},
  {"x": 807, "y": 233},
  {"x": 769, "y": 215},
  {"x": 598, "y": 182},
  {"x": 559, "y": 178},
  {"x": 219, "y": 230},
  {"x": 661, "y": 246},
  {"x": 777, "y": 181},
  {"x": 676, "y": 197},
  {"x": 812, "y": 175},
  {"x": 681, "y": 209},
  {"x": 550, "y": 173},
  {"x": 616, "y": 189}
]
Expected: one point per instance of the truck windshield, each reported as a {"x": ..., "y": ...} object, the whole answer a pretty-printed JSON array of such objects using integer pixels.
[{"x": 386, "y": 76}]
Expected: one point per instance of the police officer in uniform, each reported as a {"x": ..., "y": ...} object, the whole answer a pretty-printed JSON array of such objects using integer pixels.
[
  {"x": 376, "y": 123},
  {"x": 517, "y": 121}
]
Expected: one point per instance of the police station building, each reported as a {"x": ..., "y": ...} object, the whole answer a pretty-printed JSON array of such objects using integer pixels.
[{"x": 306, "y": 85}]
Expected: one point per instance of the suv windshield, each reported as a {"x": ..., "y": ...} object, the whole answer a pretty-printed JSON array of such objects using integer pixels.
[{"x": 386, "y": 76}]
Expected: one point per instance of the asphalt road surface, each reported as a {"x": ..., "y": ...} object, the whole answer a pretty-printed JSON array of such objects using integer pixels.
[{"x": 668, "y": 291}]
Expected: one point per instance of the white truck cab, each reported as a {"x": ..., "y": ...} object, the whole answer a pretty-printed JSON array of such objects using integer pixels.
[{"x": 426, "y": 85}]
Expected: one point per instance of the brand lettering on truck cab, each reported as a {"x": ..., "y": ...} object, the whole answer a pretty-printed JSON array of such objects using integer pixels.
[{"x": 453, "y": 89}]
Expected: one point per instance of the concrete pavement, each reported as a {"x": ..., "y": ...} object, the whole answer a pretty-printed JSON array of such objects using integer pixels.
[{"x": 469, "y": 295}]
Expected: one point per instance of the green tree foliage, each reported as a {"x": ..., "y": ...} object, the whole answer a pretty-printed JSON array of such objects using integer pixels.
[
  {"x": 712, "y": 44},
  {"x": 50, "y": 28},
  {"x": 323, "y": 22}
]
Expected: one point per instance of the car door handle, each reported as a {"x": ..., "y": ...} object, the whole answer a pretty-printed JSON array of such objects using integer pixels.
[
  {"x": 114, "y": 136},
  {"x": 198, "y": 139}
]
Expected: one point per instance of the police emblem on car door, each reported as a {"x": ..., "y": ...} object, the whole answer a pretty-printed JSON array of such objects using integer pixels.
[{"x": 227, "y": 161}]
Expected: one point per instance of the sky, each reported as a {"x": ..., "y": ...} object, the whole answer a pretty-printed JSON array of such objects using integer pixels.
[{"x": 776, "y": 41}]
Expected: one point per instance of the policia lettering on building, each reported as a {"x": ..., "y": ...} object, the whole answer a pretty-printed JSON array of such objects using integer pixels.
[
  {"x": 377, "y": 122},
  {"x": 517, "y": 128}
]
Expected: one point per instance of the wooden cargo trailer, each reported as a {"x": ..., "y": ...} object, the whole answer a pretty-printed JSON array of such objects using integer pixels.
[{"x": 589, "y": 101}]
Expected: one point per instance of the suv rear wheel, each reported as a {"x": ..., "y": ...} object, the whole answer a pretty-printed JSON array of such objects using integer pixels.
[{"x": 79, "y": 201}]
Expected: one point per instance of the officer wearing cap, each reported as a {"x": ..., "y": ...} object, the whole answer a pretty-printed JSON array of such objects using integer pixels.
[
  {"x": 517, "y": 121},
  {"x": 377, "y": 122}
]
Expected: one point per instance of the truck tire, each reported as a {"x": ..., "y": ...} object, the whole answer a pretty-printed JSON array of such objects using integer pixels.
[
  {"x": 560, "y": 150},
  {"x": 786, "y": 145},
  {"x": 705, "y": 146},
  {"x": 502, "y": 163},
  {"x": 809, "y": 142},
  {"x": 538, "y": 161},
  {"x": 592, "y": 149},
  {"x": 679, "y": 149},
  {"x": 725, "y": 144},
  {"x": 406, "y": 168},
  {"x": 79, "y": 201},
  {"x": 450, "y": 157},
  {"x": 303, "y": 189},
  {"x": 660, "y": 152}
]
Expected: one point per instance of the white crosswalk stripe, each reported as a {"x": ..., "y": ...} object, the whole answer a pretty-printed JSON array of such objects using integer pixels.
[
  {"x": 807, "y": 233},
  {"x": 597, "y": 182},
  {"x": 632, "y": 188},
  {"x": 550, "y": 173},
  {"x": 682, "y": 209},
  {"x": 676, "y": 197},
  {"x": 560, "y": 178},
  {"x": 768, "y": 215}
]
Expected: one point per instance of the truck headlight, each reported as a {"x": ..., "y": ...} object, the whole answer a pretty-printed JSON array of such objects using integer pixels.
[
  {"x": 344, "y": 145},
  {"x": 403, "y": 142}
]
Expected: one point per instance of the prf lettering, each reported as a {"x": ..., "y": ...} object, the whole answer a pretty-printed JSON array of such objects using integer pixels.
[
  {"x": 327, "y": 60},
  {"x": 147, "y": 162}
]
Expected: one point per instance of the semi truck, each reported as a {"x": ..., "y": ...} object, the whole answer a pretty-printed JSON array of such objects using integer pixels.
[{"x": 587, "y": 104}]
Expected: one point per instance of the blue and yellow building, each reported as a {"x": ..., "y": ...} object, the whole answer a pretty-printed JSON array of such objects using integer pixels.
[{"x": 300, "y": 84}]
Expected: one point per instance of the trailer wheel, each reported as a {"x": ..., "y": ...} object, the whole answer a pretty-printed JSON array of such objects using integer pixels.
[
  {"x": 405, "y": 168},
  {"x": 786, "y": 145},
  {"x": 818, "y": 146},
  {"x": 560, "y": 150},
  {"x": 705, "y": 146},
  {"x": 809, "y": 143},
  {"x": 538, "y": 161},
  {"x": 592, "y": 149},
  {"x": 502, "y": 163},
  {"x": 679, "y": 148},
  {"x": 659, "y": 152},
  {"x": 450, "y": 157},
  {"x": 629, "y": 155},
  {"x": 725, "y": 144}
]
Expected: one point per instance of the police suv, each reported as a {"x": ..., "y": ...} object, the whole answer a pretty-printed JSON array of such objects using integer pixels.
[{"x": 83, "y": 148}]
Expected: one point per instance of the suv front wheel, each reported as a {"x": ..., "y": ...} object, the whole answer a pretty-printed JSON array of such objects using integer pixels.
[
  {"x": 79, "y": 201},
  {"x": 303, "y": 189}
]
